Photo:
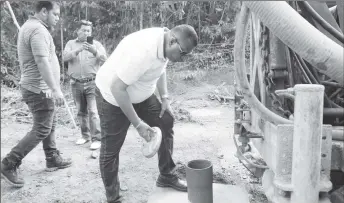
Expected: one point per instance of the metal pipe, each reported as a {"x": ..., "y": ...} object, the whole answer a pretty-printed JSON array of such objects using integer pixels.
[
  {"x": 287, "y": 95},
  {"x": 332, "y": 84},
  {"x": 335, "y": 112},
  {"x": 312, "y": 45},
  {"x": 338, "y": 133},
  {"x": 199, "y": 177},
  {"x": 306, "y": 164},
  {"x": 327, "y": 26}
]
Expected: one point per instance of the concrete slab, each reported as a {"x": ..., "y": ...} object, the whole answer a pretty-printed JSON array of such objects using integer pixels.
[{"x": 221, "y": 194}]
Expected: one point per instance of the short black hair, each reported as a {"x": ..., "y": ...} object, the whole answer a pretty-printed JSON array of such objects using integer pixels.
[
  {"x": 187, "y": 32},
  {"x": 45, "y": 4},
  {"x": 84, "y": 22}
]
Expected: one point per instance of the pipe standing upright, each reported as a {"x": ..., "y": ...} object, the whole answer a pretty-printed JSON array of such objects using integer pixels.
[{"x": 306, "y": 165}]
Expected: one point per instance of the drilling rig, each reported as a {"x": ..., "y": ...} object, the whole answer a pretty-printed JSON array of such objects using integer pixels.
[{"x": 289, "y": 99}]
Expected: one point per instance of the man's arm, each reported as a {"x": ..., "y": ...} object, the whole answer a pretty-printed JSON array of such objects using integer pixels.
[
  {"x": 40, "y": 46},
  {"x": 69, "y": 54},
  {"x": 44, "y": 68},
  {"x": 101, "y": 53},
  {"x": 162, "y": 86},
  {"x": 119, "y": 91}
]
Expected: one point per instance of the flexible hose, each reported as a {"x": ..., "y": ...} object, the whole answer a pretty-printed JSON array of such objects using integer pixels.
[
  {"x": 298, "y": 34},
  {"x": 321, "y": 21},
  {"x": 239, "y": 61}
]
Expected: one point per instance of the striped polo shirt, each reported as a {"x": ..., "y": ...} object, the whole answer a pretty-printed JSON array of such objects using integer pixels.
[{"x": 35, "y": 40}]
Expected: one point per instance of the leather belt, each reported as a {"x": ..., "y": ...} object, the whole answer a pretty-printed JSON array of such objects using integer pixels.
[{"x": 84, "y": 80}]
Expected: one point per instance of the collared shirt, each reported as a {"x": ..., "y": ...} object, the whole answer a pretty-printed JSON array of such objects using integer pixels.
[
  {"x": 138, "y": 61},
  {"x": 84, "y": 64},
  {"x": 35, "y": 40}
]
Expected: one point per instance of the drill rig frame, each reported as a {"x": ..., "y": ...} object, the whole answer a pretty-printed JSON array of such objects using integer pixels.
[{"x": 289, "y": 102}]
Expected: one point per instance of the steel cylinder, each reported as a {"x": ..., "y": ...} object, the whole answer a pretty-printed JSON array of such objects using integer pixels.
[
  {"x": 306, "y": 164},
  {"x": 199, "y": 178}
]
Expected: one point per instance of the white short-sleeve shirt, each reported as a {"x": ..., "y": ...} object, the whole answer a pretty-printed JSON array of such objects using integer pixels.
[{"x": 138, "y": 61}]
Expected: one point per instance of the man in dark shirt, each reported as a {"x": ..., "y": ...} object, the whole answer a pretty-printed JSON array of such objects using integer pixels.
[{"x": 41, "y": 91}]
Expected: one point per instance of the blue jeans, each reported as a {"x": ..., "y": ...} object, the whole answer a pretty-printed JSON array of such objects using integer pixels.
[
  {"x": 114, "y": 126},
  {"x": 85, "y": 101},
  {"x": 43, "y": 129}
]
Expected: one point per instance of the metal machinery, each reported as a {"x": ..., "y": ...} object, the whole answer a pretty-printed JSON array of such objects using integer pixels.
[{"x": 289, "y": 112}]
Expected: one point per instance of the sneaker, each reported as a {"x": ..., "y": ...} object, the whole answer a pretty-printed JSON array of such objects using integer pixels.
[
  {"x": 173, "y": 182},
  {"x": 10, "y": 174},
  {"x": 95, "y": 145},
  {"x": 81, "y": 141},
  {"x": 56, "y": 162}
]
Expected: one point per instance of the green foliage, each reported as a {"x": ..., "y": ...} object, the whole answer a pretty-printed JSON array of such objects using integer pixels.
[{"x": 114, "y": 20}]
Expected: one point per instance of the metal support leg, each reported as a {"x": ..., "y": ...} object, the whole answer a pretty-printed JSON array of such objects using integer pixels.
[{"x": 306, "y": 165}]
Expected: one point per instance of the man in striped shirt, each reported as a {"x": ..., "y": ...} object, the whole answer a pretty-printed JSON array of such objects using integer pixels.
[
  {"x": 84, "y": 59},
  {"x": 41, "y": 91}
]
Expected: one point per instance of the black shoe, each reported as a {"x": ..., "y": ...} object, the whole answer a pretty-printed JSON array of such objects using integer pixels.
[
  {"x": 173, "y": 182},
  {"x": 10, "y": 174},
  {"x": 55, "y": 162}
]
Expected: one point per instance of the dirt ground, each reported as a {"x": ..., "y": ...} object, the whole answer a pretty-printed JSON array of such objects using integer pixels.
[{"x": 203, "y": 131}]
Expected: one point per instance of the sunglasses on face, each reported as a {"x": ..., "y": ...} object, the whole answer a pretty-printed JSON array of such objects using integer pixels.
[{"x": 182, "y": 53}]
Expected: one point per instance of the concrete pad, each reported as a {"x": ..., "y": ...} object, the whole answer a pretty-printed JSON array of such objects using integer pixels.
[{"x": 221, "y": 194}]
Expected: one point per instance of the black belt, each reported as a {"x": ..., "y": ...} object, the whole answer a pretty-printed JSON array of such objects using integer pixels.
[{"x": 84, "y": 80}]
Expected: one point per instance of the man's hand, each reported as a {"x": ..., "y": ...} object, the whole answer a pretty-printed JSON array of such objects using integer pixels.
[
  {"x": 145, "y": 131},
  {"x": 58, "y": 97},
  {"x": 90, "y": 47},
  {"x": 81, "y": 49},
  {"x": 165, "y": 106}
]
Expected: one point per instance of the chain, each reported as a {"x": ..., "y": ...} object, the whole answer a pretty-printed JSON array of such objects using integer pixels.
[{"x": 268, "y": 80}]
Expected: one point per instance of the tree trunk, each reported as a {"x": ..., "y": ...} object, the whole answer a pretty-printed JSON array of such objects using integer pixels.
[
  {"x": 188, "y": 13},
  {"x": 199, "y": 21},
  {"x": 62, "y": 62},
  {"x": 161, "y": 16},
  {"x": 141, "y": 15},
  {"x": 86, "y": 12},
  {"x": 151, "y": 15}
]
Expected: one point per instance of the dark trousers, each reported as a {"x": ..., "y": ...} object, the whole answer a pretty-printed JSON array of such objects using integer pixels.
[
  {"x": 43, "y": 129},
  {"x": 85, "y": 101},
  {"x": 114, "y": 126}
]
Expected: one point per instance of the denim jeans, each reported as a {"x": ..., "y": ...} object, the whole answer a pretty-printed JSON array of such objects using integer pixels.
[
  {"x": 114, "y": 126},
  {"x": 43, "y": 129},
  {"x": 85, "y": 101}
]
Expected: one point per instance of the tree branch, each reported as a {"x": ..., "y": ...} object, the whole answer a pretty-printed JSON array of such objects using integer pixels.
[{"x": 12, "y": 14}]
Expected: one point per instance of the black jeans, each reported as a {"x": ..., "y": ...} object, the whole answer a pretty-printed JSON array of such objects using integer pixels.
[
  {"x": 114, "y": 126},
  {"x": 43, "y": 129}
]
